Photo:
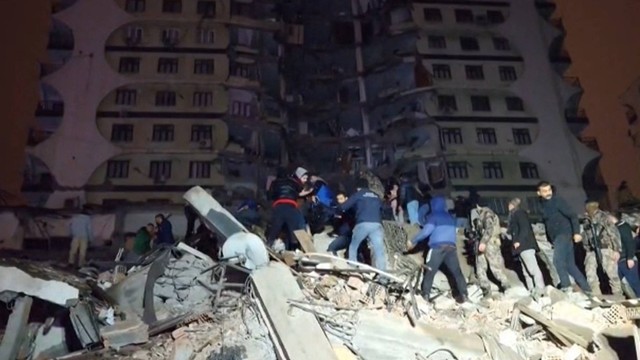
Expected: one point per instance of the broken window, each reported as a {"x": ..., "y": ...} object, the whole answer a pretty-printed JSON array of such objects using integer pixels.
[
  {"x": 432, "y": 15},
  {"x": 447, "y": 103},
  {"x": 514, "y": 103},
  {"x": 162, "y": 133},
  {"x": 501, "y": 43},
  {"x": 202, "y": 98},
  {"x": 507, "y": 73},
  {"x": 160, "y": 170},
  {"x": 135, "y": 6},
  {"x": 126, "y": 97},
  {"x": 457, "y": 170},
  {"x": 343, "y": 33},
  {"x": 474, "y": 72},
  {"x": 469, "y": 43},
  {"x": 129, "y": 65},
  {"x": 201, "y": 133},
  {"x": 167, "y": 65},
  {"x": 166, "y": 98},
  {"x": 480, "y": 103},
  {"x": 464, "y": 16},
  {"x": 121, "y": 132},
  {"x": 492, "y": 170},
  {"x": 521, "y": 137},
  {"x": 203, "y": 66},
  {"x": 199, "y": 169},
  {"x": 451, "y": 136},
  {"x": 486, "y": 136},
  {"x": 172, "y": 6},
  {"x": 441, "y": 71},
  {"x": 437, "y": 42},
  {"x": 117, "y": 169},
  {"x": 529, "y": 170}
]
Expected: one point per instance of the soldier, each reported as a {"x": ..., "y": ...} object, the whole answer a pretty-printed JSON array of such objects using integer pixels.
[
  {"x": 546, "y": 251},
  {"x": 602, "y": 246},
  {"x": 489, "y": 250}
]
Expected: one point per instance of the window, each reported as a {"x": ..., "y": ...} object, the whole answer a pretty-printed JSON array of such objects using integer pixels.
[
  {"x": 121, "y": 133},
  {"x": 514, "y": 103},
  {"x": 495, "y": 16},
  {"x": 507, "y": 73},
  {"x": 240, "y": 108},
  {"x": 521, "y": 137},
  {"x": 486, "y": 136},
  {"x": 172, "y": 6},
  {"x": 117, "y": 169},
  {"x": 199, "y": 169},
  {"x": 126, "y": 97},
  {"x": 167, "y": 66},
  {"x": 129, "y": 65},
  {"x": 133, "y": 35},
  {"x": 432, "y": 15},
  {"x": 529, "y": 170},
  {"x": 474, "y": 72},
  {"x": 457, "y": 170},
  {"x": 205, "y": 36},
  {"x": 170, "y": 37},
  {"x": 451, "y": 136},
  {"x": 480, "y": 103},
  {"x": 441, "y": 71},
  {"x": 464, "y": 16},
  {"x": 469, "y": 44},
  {"x": 202, "y": 98},
  {"x": 160, "y": 170},
  {"x": 492, "y": 170},
  {"x": 166, "y": 98},
  {"x": 437, "y": 42},
  {"x": 135, "y": 6},
  {"x": 500, "y": 205},
  {"x": 203, "y": 66},
  {"x": 447, "y": 103},
  {"x": 500, "y": 43},
  {"x": 201, "y": 132},
  {"x": 206, "y": 8},
  {"x": 162, "y": 133},
  {"x": 246, "y": 71},
  {"x": 533, "y": 204}
]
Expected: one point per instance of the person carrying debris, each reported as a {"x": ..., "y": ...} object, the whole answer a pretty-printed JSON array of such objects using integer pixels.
[
  {"x": 440, "y": 228},
  {"x": 368, "y": 208},
  {"x": 525, "y": 246},
  {"x": 603, "y": 247},
  {"x": 489, "y": 254},
  {"x": 164, "y": 235},
  {"x": 563, "y": 229},
  {"x": 81, "y": 235},
  {"x": 628, "y": 263}
]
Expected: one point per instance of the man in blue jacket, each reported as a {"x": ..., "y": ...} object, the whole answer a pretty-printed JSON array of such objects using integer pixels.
[
  {"x": 440, "y": 228},
  {"x": 368, "y": 208}
]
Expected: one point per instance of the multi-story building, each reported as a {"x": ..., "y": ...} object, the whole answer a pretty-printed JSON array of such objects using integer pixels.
[{"x": 142, "y": 99}]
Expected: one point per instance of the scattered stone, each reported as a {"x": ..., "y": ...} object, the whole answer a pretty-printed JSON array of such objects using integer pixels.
[{"x": 130, "y": 331}]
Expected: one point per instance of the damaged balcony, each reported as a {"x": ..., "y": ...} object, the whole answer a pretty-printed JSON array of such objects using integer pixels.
[
  {"x": 387, "y": 52},
  {"x": 406, "y": 79}
]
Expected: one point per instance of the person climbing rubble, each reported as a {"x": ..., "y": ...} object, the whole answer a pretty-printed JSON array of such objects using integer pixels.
[
  {"x": 343, "y": 224},
  {"x": 164, "y": 235},
  {"x": 440, "y": 228},
  {"x": 489, "y": 255},
  {"x": 603, "y": 247}
]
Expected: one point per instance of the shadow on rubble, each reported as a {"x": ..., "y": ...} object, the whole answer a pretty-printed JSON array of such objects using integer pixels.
[{"x": 236, "y": 352}]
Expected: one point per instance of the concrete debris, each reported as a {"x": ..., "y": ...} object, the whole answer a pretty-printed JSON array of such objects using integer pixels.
[{"x": 19, "y": 279}]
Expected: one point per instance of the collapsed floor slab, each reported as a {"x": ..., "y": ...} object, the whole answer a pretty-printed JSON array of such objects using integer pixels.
[{"x": 21, "y": 279}]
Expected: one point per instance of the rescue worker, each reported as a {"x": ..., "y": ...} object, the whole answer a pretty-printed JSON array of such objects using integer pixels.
[
  {"x": 489, "y": 254},
  {"x": 602, "y": 241}
]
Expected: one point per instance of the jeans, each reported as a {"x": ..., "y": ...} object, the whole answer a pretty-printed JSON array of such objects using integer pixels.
[
  {"x": 375, "y": 233},
  {"x": 287, "y": 217},
  {"x": 630, "y": 274},
  {"x": 412, "y": 212},
  {"x": 531, "y": 270},
  {"x": 565, "y": 262},
  {"x": 435, "y": 258},
  {"x": 339, "y": 243}
]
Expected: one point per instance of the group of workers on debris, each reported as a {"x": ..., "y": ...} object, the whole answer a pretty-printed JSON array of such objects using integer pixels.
[{"x": 609, "y": 241}]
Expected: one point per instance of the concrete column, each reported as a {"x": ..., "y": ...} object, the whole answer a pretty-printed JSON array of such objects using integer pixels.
[{"x": 16, "y": 328}]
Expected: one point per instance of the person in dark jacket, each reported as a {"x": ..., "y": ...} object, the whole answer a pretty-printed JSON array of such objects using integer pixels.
[
  {"x": 525, "y": 246},
  {"x": 563, "y": 230},
  {"x": 408, "y": 198},
  {"x": 628, "y": 263},
  {"x": 285, "y": 191},
  {"x": 164, "y": 235},
  {"x": 368, "y": 208},
  {"x": 440, "y": 228},
  {"x": 191, "y": 215}
]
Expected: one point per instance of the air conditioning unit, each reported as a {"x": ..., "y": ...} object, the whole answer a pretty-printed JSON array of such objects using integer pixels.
[
  {"x": 205, "y": 144},
  {"x": 481, "y": 20}
]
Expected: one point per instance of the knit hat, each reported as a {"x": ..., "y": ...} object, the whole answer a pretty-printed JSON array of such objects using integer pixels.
[{"x": 300, "y": 172}]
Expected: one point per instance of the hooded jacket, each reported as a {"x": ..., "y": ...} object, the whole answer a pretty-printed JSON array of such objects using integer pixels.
[{"x": 439, "y": 226}]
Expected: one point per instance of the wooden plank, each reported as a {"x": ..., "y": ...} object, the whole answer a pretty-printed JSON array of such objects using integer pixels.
[
  {"x": 298, "y": 331},
  {"x": 306, "y": 242}
]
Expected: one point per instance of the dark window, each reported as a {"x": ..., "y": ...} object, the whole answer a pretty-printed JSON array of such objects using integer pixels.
[
  {"x": 246, "y": 71},
  {"x": 521, "y": 137},
  {"x": 206, "y": 36},
  {"x": 507, "y": 73},
  {"x": 172, "y": 6},
  {"x": 202, "y": 98},
  {"x": 162, "y": 133},
  {"x": 447, "y": 103},
  {"x": 170, "y": 37},
  {"x": 441, "y": 71},
  {"x": 495, "y": 16},
  {"x": 166, "y": 98},
  {"x": 451, "y": 136},
  {"x": 437, "y": 42},
  {"x": 457, "y": 170},
  {"x": 241, "y": 108},
  {"x": 203, "y": 66},
  {"x": 474, "y": 72},
  {"x": 160, "y": 170},
  {"x": 469, "y": 44},
  {"x": 201, "y": 132},
  {"x": 500, "y": 43},
  {"x": 121, "y": 132},
  {"x": 529, "y": 170},
  {"x": 126, "y": 97},
  {"x": 129, "y": 65},
  {"x": 199, "y": 169},
  {"x": 167, "y": 65},
  {"x": 480, "y": 103},
  {"x": 492, "y": 170},
  {"x": 135, "y": 6},
  {"x": 464, "y": 16},
  {"x": 206, "y": 8},
  {"x": 117, "y": 169},
  {"x": 486, "y": 136},
  {"x": 514, "y": 103},
  {"x": 432, "y": 15}
]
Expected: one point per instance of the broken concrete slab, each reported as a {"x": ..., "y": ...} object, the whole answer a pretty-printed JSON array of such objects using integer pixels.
[
  {"x": 216, "y": 217},
  {"x": 249, "y": 246},
  {"x": 51, "y": 344},
  {"x": 126, "y": 332},
  {"x": 182, "y": 349},
  {"x": 17, "y": 280},
  {"x": 578, "y": 320},
  {"x": 16, "y": 328}
]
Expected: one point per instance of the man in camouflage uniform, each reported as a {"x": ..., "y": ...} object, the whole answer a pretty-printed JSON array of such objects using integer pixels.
[
  {"x": 489, "y": 254},
  {"x": 546, "y": 251},
  {"x": 601, "y": 234}
]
